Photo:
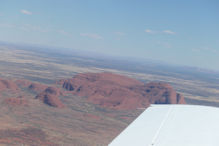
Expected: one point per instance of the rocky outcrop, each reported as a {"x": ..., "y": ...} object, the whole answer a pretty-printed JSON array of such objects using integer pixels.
[
  {"x": 50, "y": 96},
  {"x": 7, "y": 84},
  {"x": 120, "y": 92},
  {"x": 159, "y": 93}
]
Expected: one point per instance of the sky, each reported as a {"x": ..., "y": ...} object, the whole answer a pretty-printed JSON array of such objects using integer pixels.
[{"x": 181, "y": 32}]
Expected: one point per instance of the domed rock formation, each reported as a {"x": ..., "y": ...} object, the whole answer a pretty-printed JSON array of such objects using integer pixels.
[
  {"x": 120, "y": 92},
  {"x": 7, "y": 84},
  {"x": 50, "y": 96}
]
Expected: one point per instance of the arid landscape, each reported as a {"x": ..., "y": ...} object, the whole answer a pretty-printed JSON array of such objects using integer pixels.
[
  {"x": 78, "y": 73},
  {"x": 69, "y": 99}
]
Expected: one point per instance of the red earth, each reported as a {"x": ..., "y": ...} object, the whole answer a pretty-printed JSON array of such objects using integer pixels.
[
  {"x": 85, "y": 107},
  {"x": 19, "y": 101}
]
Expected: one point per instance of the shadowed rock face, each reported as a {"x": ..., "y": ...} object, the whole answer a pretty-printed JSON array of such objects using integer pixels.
[
  {"x": 160, "y": 93},
  {"x": 120, "y": 92},
  {"x": 50, "y": 96},
  {"x": 53, "y": 91}
]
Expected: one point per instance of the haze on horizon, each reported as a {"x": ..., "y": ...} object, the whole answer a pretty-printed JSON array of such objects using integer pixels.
[{"x": 177, "y": 32}]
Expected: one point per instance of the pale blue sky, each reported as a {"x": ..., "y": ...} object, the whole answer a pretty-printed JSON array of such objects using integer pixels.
[{"x": 184, "y": 32}]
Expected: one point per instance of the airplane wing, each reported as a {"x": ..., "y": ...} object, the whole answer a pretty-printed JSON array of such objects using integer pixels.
[{"x": 172, "y": 125}]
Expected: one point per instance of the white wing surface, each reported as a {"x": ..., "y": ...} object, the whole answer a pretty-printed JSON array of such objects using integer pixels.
[{"x": 172, "y": 125}]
